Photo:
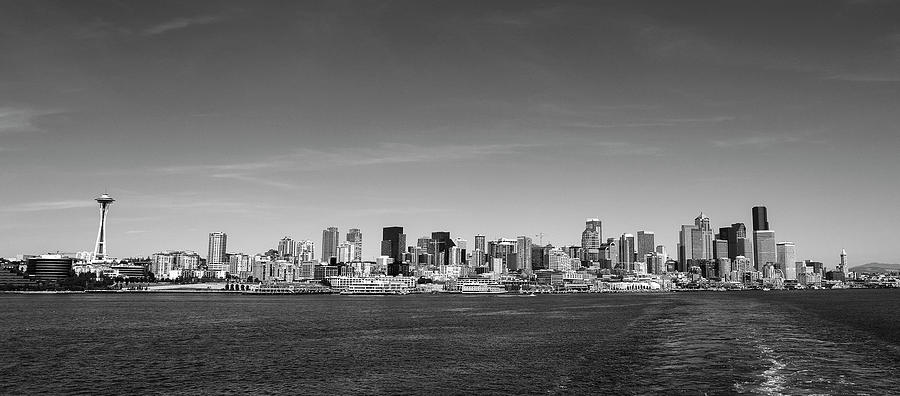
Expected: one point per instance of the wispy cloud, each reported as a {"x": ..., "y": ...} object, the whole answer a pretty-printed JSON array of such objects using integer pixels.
[
  {"x": 49, "y": 205},
  {"x": 663, "y": 122},
  {"x": 758, "y": 141},
  {"x": 307, "y": 159},
  {"x": 16, "y": 120},
  {"x": 181, "y": 23}
]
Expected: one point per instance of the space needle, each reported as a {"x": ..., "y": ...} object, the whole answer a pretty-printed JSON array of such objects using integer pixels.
[{"x": 100, "y": 248}]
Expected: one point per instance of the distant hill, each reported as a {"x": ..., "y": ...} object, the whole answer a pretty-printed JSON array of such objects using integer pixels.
[{"x": 876, "y": 267}]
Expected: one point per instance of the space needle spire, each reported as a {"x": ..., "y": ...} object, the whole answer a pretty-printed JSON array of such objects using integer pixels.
[{"x": 100, "y": 248}]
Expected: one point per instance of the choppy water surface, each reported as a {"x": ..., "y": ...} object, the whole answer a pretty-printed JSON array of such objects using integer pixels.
[{"x": 810, "y": 342}]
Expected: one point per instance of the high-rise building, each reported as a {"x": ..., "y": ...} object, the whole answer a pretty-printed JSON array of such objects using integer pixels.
[
  {"x": 760, "y": 218},
  {"x": 842, "y": 267},
  {"x": 217, "y": 245},
  {"x": 461, "y": 245},
  {"x": 523, "y": 254},
  {"x": 626, "y": 252},
  {"x": 287, "y": 248},
  {"x": 502, "y": 251},
  {"x": 558, "y": 260},
  {"x": 645, "y": 243},
  {"x": 686, "y": 247},
  {"x": 702, "y": 242},
  {"x": 720, "y": 249},
  {"x": 440, "y": 246},
  {"x": 330, "y": 240},
  {"x": 786, "y": 259},
  {"x": 355, "y": 238},
  {"x": 764, "y": 249},
  {"x": 732, "y": 235},
  {"x": 590, "y": 240},
  {"x": 345, "y": 252},
  {"x": 100, "y": 251},
  {"x": 393, "y": 244},
  {"x": 306, "y": 250},
  {"x": 479, "y": 243}
]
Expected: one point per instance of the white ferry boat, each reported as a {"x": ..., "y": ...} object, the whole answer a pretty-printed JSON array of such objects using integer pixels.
[
  {"x": 482, "y": 288},
  {"x": 271, "y": 289},
  {"x": 376, "y": 288}
]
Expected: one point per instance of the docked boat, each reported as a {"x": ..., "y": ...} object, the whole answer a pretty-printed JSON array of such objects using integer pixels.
[
  {"x": 483, "y": 288},
  {"x": 271, "y": 290},
  {"x": 376, "y": 288}
]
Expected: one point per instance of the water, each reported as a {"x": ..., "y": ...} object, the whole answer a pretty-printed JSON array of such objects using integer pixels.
[{"x": 809, "y": 342}]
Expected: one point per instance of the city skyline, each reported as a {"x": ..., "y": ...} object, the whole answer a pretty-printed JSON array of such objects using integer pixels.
[{"x": 262, "y": 122}]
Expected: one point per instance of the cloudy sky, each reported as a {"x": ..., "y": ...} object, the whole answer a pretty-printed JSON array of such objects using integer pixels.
[{"x": 265, "y": 119}]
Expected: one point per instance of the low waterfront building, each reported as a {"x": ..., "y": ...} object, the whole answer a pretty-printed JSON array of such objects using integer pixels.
[{"x": 50, "y": 267}]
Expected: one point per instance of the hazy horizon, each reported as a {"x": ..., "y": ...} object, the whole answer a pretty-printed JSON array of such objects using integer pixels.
[{"x": 265, "y": 120}]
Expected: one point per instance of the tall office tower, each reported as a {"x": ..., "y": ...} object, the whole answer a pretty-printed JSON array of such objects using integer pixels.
[
  {"x": 287, "y": 248},
  {"x": 842, "y": 267},
  {"x": 441, "y": 244},
  {"x": 685, "y": 247},
  {"x": 523, "y": 253},
  {"x": 330, "y": 240},
  {"x": 611, "y": 256},
  {"x": 786, "y": 259},
  {"x": 306, "y": 250},
  {"x": 731, "y": 235},
  {"x": 217, "y": 244},
  {"x": 645, "y": 243},
  {"x": 345, "y": 252},
  {"x": 393, "y": 243},
  {"x": 760, "y": 218},
  {"x": 478, "y": 258},
  {"x": 626, "y": 252},
  {"x": 705, "y": 238},
  {"x": 355, "y": 237},
  {"x": 462, "y": 244},
  {"x": 661, "y": 252},
  {"x": 479, "y": 243},
  {"x": 558, "y": 260},
  {"x": 425, "y": 243},
  {"x": 503, "y": 250},
  {"x": 100, "y": 247},
  {"x": 720, "y": 248},
  {"x": 590, "y": 239},
  {"x": 764, "y": 249}
]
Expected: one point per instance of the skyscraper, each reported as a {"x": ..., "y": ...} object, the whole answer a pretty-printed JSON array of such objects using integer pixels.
[
  {"x": 479, "y": 243},
  {"x": 441, "y": 244},
  {"x": 685, "y": 247},
  {"x": 760, "y": 218},
  {"x": 523, "y": 253},
  {"x": 786, "y": 259},
  {"x": 590, "y": 239},
  {"x": 842, "y": 267},
  {"x": 393, "y": 244},
  {"x": 705, "y": 238},
  {"x": 330, "y": 241},
  {"x": 626, "y": 252},
  {"x": 645, "y": 243},
  {"x": 287, "y": 248},
  {"x": 355, "y": 238},
  {"x": 732, "y": 234},
  {"x": 764, "y": 249},
  {"x": 217, "y": 246},
  {"x": 100, "y": 247}
]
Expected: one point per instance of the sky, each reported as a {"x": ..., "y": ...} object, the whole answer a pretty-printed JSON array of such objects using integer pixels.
[{"x": 505, "y": 118}]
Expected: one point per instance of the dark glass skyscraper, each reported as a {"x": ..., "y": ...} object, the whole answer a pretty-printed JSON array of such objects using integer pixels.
[
  {"x": 760, "y": 219},
  {"x": 394, "y": 240},
  {"x": 441, "y": 244}
]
